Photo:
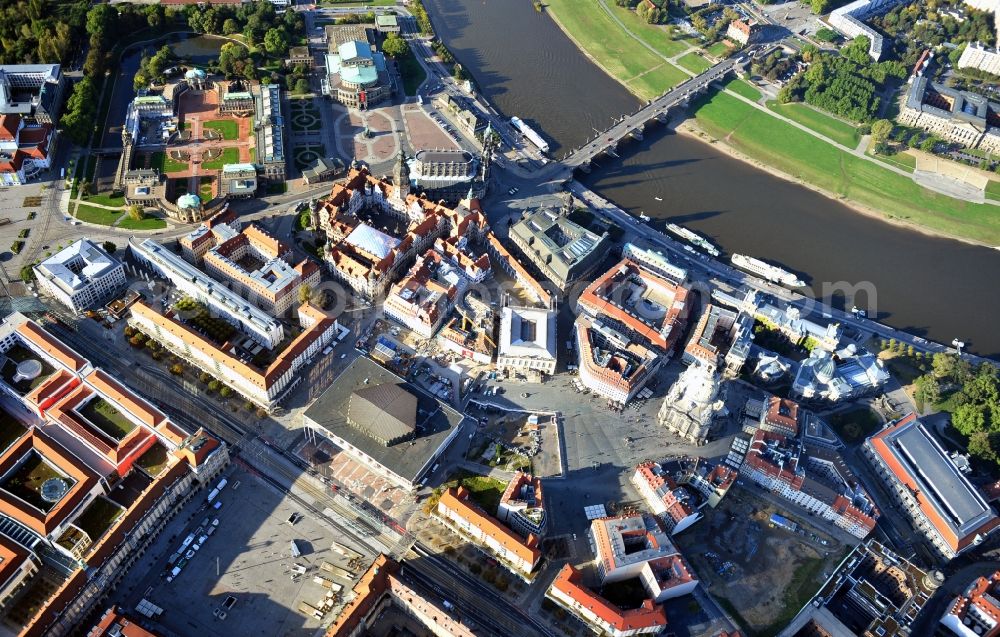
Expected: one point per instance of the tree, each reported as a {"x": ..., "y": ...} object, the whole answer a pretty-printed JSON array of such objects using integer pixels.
[
  {"x": 302, "y": 86},
  {"x": 881, "y": 128},
  {"x": 176, "y": 369},
  {"x": 981, "y": 446},
  {"x": 305, "y": 293},
  {"x": 205, "y": 377},
  {"x": 110, "y": 247},
  {"x": 213, "y": 385},
  {"x": 276, "y": 42},
  {"x": 968, "y": 419},
  {"x": 234, "y": 61},
  {"x": 944, "y": 365},
  {"x": 929, "y": 144},
  {"x": 136, "y": 212},
  {"x": 230, "y": 27},
  {"x": 927, "y": 389},
  {"x": 395, "y": 46},
  {"x": 225, "y": 391}
]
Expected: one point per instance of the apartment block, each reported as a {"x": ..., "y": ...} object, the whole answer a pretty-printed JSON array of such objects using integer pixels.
[
  {"x": 517, "y": 554},
  {"x": 264, "y": 382}
]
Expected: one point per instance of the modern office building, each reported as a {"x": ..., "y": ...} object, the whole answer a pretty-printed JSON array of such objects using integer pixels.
[
  {"x": 518, "y": 555},
  {"x": 33, "y": 92},
  {"x": 387, "y": 424},
  {"x": 113, "y": 469},
  {"x": 849, "y": 20},
  {"x": 943, "y": 505},
  {"x": 81, "y": 276},
  {"x": 561, "y": 249}
]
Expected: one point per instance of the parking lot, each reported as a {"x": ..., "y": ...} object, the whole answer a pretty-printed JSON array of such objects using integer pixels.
[{"x": 243, "y": 580}]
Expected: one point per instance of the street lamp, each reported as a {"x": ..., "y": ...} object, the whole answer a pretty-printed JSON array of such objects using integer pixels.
[{"x": 958, "y": 345}]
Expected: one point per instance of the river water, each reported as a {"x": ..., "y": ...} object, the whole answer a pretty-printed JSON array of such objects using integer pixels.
[{"x": 526, "y": 66}]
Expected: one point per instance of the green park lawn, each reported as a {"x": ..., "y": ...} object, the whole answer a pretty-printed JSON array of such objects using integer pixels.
[
  {"x": 993, "y": 190},
  {"x": 744, "y": 88},
  {"x": 655, "y": 35},
  {"x": 100, "y": 216},
  {"x": 228, "y": 128},
  {"x": 797, "y": 153},
  {"x": 902, "y": 160},
  {"x": 162, "y": 162},
  {"x": 837, "y": 130},
  {"x": 413, "y": 73},
  {"x": 694, "y": 62},
  {"x": 98, "y": 517},
  {"x": 148, "y": 223},
  {"x": 229, "y": 156},
  {"x": 720, "y": 49},
  {"x": 106, "y": 200}
]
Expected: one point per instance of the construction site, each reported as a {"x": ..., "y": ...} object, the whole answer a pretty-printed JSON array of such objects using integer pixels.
[{"x": 761, "y": 564}]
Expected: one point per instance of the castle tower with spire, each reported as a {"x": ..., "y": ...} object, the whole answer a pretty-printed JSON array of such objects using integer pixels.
[{"x": 401, "y": 177}]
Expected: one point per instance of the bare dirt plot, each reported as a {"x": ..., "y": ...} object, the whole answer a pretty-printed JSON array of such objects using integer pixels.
[{"x": 761, "y": 575}]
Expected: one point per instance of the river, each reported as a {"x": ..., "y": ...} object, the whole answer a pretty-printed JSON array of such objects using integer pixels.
[{"x": 526, "y": 66}]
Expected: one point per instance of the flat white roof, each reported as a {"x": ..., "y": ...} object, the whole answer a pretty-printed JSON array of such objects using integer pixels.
[
  {"x": 75, "y": 266},
  {"x": 527, "y": 331}
]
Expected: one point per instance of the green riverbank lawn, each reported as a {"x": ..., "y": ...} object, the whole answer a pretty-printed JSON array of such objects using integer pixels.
[
  {"x": 694, "y": 62},
  {"x": 643, "y": 71},
  {"x": 837, "y": 130},
  {"x": 797, "y": 153}
]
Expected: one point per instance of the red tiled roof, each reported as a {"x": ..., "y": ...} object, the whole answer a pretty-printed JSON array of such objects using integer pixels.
[
  {"x": 595, "y": 299},
  {"x": 458, "y": 501},
  {"x": 8, "y": 127},
  {"x": 34, "y": 334},
  {"x": 39, "y": 521},
  {"x": 650, "y": 614},
  {"x": 367, "y": 592}
]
